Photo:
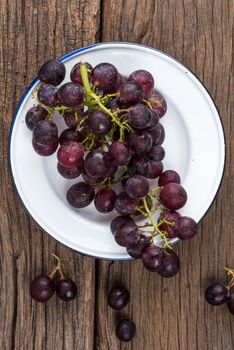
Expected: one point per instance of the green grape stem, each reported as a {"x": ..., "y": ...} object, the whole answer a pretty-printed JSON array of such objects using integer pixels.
[
  {"x": 156, "y": 226},
  {"x": 92, "y": 97},
  {"x": 230, "y": 273}
]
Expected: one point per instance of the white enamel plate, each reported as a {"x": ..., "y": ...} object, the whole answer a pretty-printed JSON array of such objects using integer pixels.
[{"x": 194, "y": 144}]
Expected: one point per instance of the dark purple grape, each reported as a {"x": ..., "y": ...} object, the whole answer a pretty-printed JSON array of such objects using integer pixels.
[
  {"x": 72, "y": 119},
  {"x": 216, "y": 294},
  {"x": 42, "y": 288},
  {"x": 157, "y": 133},
  {"x": 120, "y": 152},
  {"x": 137, "y": 165},
  {"x": 47, "y": 95},
  {"x": 126, "y": 330},
  {"x": 152, "y": 258},
  {"x": 97, "y": 163},
  {"x": 173, "y": 196},
  {"x": 168, "y": 176},
  {"x": 66, "y": 289},
  {"x": 136, "y": 251},
  {"x": 185, "y": 228},
  {"x": 127, "y": 235},
  {"x": 154, "y": 169},
  {"x": 69, "y": 173},
  {"x": 71, "y": 94},
  {"x": 45, "y": 138},
  {"x": 112, "y": 170},
  {"x": 154, "y": 119},
  {"x": 75, "y": 75},
  {"x": 113, "y": 103},
  {"x": 124, "y": 204},
  {"x": 70, "y": 154},
  {"x": 230, "y": 304},
  {"x": 118, "y": 297},
  {"x": 120, "y": 221},
  {"x": 52, "y": 72},
  {"x": 139, "y": 116},
  {"x": 69, "y": 135},
  {"x": 156, "y": 153},
  {"x": 130, "y": 93},
  {"x": 80, "y": 195},
  {"x": 170, "y": 264},
  {"x": 145, "y": 79},
  {"x": 99, "y": 123},
  {"x": 45, "y": 132},
  {"x": 137, "y": 186},
  {"x": 34, "y": 115},
  {"x": 105, "y": 200},
  {"x": 105, "y": 76},
  {"x": 148, "y": 168},
  {"x": 89, "y": 178},
  {"x": 158, "y": 103},
  {"x": 44, "y": 150},
  {"x": 140, "y": 141},
  {"x": 171, "y": 216}
]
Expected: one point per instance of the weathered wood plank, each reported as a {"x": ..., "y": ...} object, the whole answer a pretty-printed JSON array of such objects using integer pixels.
[
  {"x": 31, "y": 33},
  {"x": 172, "y": 314}
]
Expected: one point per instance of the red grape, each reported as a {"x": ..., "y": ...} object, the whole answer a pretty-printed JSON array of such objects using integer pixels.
[
  {"x": 120, "y": 221},
  {"x": 66, "y": 289},
  {"x": 47, "y": 95},
  {"x": 34, "y": 115},
  {"x": 120, "y": 152},
  {"x": 80, "y": 195},
  {"x": 130, "y": 93},
  {"x": 185, "y": 228},
  {"x": 69, "y": 173},
  {"x": 97, "y": 163},
  {"x": 170, "y": 264},
  {"x": 105, "y": 76},
  {"x": 70, "y": 154},
  {"x": 158, "y": 103},
  {"x": 216, "y": 294},
  {"x": 127, "y": 235},
  {"x": 126, "y": 330},
  {"x": 168, "y": 176},
  {"x": 44, "y": 150},
  {"x": 99, "y": 123},
  {"x": 140, "y": 141},
  {"x": 137, "y": 186},
  {"x": 52, "y": 72},
  {"x": 42, "y": 288},
  {"x": 173, "y": 196},
  {"x": 152, "y": 258},
  {"x": 124, "y": 204},
  {"x": 104, "y": 200},
  {"x": 171, "y": 216},
  {"x": 139, "y": 116},
  {"x": 71, "y": 94},
  {"x": 69, "y": 135},
  {"x": 118, "y": 297},
  {"x": 145, "y": 79},
  {"x": 75, "y": 75},
  {"x": 157, "y": 133},
  {"x": 156, "y": 153},
  {"x": 136, "y": 251}
]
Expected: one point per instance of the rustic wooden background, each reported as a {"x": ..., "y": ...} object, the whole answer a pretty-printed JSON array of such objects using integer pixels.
[{"x": 169, "y": 314}]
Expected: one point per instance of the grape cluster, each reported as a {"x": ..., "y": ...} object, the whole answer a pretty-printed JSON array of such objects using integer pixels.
[
  {"x": 43, "y": 286},
  {"x": 114, "y": 136},
  {"x": 217, "y": 293}
]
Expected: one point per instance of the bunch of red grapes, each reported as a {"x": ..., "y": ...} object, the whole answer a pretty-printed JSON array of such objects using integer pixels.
[{"x": 114, "y": 141}]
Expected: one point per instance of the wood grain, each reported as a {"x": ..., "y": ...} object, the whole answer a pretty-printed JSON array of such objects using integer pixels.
[
  {"x": 31, "y": 33},
  {"x": 171, "y": 314}
]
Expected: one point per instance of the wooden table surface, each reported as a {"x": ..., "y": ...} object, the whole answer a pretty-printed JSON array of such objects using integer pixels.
[{"x": 169, "y": 314}]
